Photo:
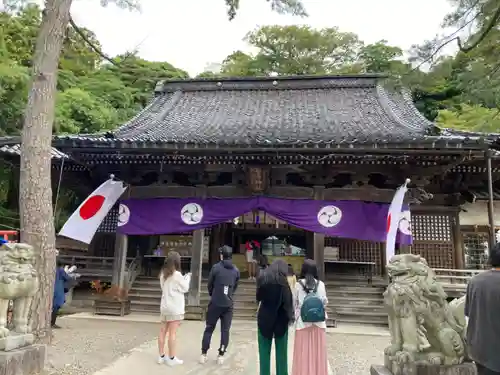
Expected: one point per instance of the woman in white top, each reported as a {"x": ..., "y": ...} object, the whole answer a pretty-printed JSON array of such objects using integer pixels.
[
  {"x": 172, "y": 308},
  {"x": 309, "y": 352}
]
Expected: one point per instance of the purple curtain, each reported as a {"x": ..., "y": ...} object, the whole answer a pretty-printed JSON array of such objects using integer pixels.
[{"x": 349, "y": 219}]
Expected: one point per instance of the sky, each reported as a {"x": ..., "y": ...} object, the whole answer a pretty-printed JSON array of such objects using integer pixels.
[{"x": 191, "y": 34}]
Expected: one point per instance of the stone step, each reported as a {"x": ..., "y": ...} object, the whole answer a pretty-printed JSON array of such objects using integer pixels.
[
  {"x": 356, "y": 293},
  {"x": 354, "y": 288},
  {"x": 363, "y": 283},
  {"x": 346, "y": 301},
  {"x": 365, "y": 310},
  {"x": 361, "y": 320},
  {"x": 375, "y": 315},
  {"x": 145, "y": 289}
]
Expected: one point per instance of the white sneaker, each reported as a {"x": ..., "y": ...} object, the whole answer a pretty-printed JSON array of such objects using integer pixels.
[
  {"x": 174, "y": 361},
  {"x": 220, "y": 359},
  {"x": 162, "y": 360},
  {"x": 203, "y": 359}
]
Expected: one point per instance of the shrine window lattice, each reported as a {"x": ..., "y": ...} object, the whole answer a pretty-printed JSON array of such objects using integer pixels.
[
  {"x": 358, "y": 251},
  {"x": 433, "y": 239},
  {"x": 475, "y": 250}
]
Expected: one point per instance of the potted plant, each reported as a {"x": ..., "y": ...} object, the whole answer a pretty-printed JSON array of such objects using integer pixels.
[{"x": 110, "y": 299}]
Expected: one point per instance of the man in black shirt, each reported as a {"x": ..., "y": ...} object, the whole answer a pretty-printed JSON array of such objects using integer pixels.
[
  {"x": 482, "y": 306},
  {"x": 222, "y": 283}
]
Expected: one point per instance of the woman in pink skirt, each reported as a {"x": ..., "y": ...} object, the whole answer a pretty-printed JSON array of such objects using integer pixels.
[{"x": 309, "y": 352}]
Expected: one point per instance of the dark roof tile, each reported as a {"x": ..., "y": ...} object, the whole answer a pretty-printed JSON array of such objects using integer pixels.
[
  {"x": 330, "y": 110},
  {"x": 277, "y": 111}
]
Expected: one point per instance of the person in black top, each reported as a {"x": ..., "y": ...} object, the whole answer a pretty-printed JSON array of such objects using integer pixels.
[
  {"x": 274, "y": 317},
  {"x": 222, "y": 284}
]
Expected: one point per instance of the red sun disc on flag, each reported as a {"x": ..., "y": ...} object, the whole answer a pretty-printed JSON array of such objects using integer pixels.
[
  {"x": 91, "y": 207},
  {"x": 388, "y": 223}
]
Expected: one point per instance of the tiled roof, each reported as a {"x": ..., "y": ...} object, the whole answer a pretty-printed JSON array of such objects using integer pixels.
[
  {"x": 275, "y": 111},
  {"x": 16, "y": 150}
]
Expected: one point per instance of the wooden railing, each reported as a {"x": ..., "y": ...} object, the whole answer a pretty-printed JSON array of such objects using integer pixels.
[
  {"x": 133, "y": 270},
  {"x": 91, "y": 267},
  {"x": 455, "y": 281}
]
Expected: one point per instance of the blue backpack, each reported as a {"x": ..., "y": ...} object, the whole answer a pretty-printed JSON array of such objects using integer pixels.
[{"x": 312, "y": 310}]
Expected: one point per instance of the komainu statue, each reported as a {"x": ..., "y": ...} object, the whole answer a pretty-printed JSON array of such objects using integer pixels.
[
  {"x": 424, "y": 327},
  {"x": 18, "y": 283}
]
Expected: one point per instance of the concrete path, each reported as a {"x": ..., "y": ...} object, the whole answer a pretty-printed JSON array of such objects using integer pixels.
[
  {"x": 242, "y": 357},
  {"x": 342, "y": 329}
]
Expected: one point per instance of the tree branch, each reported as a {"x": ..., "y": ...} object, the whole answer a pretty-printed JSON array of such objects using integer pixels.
[
  {"x": 484, "y": 33},
  {"x": 89, "y": 42}
]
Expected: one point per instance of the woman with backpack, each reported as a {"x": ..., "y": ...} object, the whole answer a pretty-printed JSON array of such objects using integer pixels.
[
  {"x": 274, "y": 317},
  {"x": 309, "y": 352}
]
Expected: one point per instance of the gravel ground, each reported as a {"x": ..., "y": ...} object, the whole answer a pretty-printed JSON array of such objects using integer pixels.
[
  {"x": 354, "y": 354},
  {"x": 82, "y": 347}
]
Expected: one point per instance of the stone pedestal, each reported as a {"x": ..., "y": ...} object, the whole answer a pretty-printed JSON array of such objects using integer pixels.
[
  {"x": 15, "y": 341},
  {"x": 29, "y": 360},
  {"x": 467, "y": 368}
]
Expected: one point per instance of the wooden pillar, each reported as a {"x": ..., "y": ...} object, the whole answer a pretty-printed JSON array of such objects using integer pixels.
[
  {"x": 196, "y": 258},
  {"x": 319, "y": 240},
  {"x": 458, "y": 243},
  {"x": 120, "y": 260},
  {"x": 491, "y": 215}
]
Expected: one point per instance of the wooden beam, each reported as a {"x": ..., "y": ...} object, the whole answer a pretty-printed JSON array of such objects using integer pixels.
[
  {"x": 319, "y": 239},
  {"x": 427, "y": 209},
  {"x": 162, "y": 191},
  {"x": 458, "y": 243},
  {"x": 226, "y": 192},
  {"x": 369, "y": 194},
  {"x": 120, "y": 260},
  {"x": 197, "y": 258}
]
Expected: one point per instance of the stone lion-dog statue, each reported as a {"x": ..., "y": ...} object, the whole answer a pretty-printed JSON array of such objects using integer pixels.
[
  {"x": 18, "y": 283},
  {"x": 424, "y": 327}
]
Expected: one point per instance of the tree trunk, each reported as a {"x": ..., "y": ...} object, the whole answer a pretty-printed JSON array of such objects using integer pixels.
[{"x": 35, "y": 191}]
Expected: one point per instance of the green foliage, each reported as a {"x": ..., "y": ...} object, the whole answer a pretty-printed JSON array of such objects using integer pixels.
[
  {"x": 294, "y": 7},
  {"x": 14, "y": 81},
  {"x": 92, "y": 96},
  {"x": 470, "y": 117},
  {"x": 79, "y": 111}
]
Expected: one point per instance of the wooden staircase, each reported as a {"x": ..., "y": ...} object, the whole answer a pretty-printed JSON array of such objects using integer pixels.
[
  {"x": 145, "y": 298},
  {"x": 353, "y": 300}
]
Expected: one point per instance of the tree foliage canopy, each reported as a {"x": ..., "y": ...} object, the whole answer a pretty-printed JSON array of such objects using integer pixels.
[
  {"x": 460, "y": 91},
  {"x": 92, "y": 95}
]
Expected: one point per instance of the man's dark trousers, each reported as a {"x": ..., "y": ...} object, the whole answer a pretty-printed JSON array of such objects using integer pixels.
[{"x": 214, "y": 313}]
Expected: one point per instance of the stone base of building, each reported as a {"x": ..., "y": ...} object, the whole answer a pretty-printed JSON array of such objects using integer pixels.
[
  {"x": 29, "y": 360},
  {"x": 467, "y": 368}
]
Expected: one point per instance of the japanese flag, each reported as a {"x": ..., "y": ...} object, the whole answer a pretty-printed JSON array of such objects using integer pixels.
[
  {"x": 83, "y": 224},
  {"x": 393, "y": 216}
]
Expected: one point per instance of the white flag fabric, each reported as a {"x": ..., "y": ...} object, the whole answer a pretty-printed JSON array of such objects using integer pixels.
[
  {"x": 393, "y": 216},
  {"x": 83, "y": 223}
]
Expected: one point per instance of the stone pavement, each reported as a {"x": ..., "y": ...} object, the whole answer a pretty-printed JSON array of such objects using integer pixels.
[{"x": 241, "y": 359}]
